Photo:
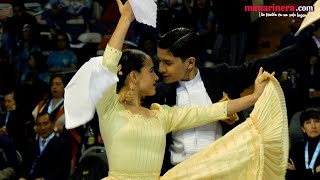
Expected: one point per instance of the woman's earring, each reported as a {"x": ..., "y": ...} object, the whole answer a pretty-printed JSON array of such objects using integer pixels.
[{"x": 129, "y": 97}]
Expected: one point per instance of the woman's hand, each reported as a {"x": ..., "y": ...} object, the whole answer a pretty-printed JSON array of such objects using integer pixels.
[
  {"x": 260, "y": 83},
  {"x": 126, "y": 10},
  {"x": 118, "y": 36},
  {"x": 245, "y": 102},
  {"x": 291, "y": 165}
]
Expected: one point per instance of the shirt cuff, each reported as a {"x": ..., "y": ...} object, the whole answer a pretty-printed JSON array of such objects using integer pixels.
[{"x": 317, "y": 41}]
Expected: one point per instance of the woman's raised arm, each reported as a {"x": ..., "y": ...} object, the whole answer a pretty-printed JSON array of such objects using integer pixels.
[{"x": 123, "y": 25}]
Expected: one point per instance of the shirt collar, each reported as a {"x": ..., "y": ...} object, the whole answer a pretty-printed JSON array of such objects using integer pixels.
[
  {"x": 191, "y": 82},
  {"x": 49, "y": 137}
]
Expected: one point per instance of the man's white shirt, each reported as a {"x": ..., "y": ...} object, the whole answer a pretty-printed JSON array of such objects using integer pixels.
[{"x": 188, "y": 142}]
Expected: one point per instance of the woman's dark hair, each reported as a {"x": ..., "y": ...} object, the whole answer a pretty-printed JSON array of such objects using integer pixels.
[
  {"x": 61, "y": 76},
  {"x": 308, "y": 113},
  {"x": 131, "y": 60},
  {"x": 182, "y": 42},
  {"x": 65, "y": 36}
]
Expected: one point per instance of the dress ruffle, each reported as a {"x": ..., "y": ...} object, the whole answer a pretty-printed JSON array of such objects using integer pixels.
[{"x": 256, "y": 149}]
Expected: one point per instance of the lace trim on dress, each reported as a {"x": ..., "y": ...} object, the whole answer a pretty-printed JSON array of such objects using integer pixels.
[{"x": 133, "y": 175}]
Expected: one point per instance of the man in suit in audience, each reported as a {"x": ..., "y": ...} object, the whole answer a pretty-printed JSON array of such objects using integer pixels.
[
  {"x": 16, "y": 123},
  {"x": 49, "y": 158}
]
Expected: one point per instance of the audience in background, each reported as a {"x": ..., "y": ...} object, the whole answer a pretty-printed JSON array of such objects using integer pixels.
[
  {"x": 54, "y": 106},
  {"x": 62, "y": 58},
  {"x": 26, "y": 44},
  {"x": 7, "y": 72},
  {"x": 204, "y": 23},
  {"x": 8, "y": 159},
  {"x": 49, "y": 157},
  {"x": 16, "y": 123},
  {"x": 35, "y": 86},
  {"x": 58, "y": 11},
  {"x": 27, "y": 70},
  {"x": 311, "y": 78},
  {"x": 304, "y": 162},
  {"x": 13, "y": 25}
]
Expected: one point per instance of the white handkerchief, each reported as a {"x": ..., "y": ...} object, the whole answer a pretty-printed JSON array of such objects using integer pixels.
[
  {"x": 84, "y": 90},
  {"x": 145, "y": 11}
]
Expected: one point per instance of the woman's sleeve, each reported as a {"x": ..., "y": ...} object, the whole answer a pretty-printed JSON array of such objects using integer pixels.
[
  {"x": 178, "y": 118},
  {"x": 95, "y": 82}
]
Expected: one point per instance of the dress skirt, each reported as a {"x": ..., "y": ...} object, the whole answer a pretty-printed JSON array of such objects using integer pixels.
[{"x": 256, "y": 149}]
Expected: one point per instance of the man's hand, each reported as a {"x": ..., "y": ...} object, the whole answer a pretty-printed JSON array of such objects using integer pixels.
[{"x": 3, "y": 130}]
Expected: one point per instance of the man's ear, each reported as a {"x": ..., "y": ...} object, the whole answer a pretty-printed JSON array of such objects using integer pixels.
[{"x": 191, "y": 62}]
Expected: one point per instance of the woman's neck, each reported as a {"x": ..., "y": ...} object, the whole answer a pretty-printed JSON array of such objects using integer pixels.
[
  {"x": 129, "y": 98},
  {"x": 55, "y": 100}
]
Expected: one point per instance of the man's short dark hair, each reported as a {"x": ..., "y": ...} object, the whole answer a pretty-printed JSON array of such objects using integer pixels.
[
  {"x": 182, "y": 42},
  {"x": 43, "y": 113}
]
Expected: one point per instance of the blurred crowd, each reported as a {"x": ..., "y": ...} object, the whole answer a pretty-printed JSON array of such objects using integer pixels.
[{"x": 41, "y": 49}]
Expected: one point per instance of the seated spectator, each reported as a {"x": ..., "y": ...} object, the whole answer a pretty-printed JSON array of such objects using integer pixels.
[
  {"x": 7, "y": 72},
  {"x": 12, "y": 25},
  {"x": 181, "y": 13},
  {"x": 50, "y": 156},
  {"x": 311, "y": 79},
  {"x": 54, "y": 106},
  {"x": 203, "y": 19},
  {"x": 15, "y": 122},
  {"x": 304, "y": 162},
  {"x": 35, "y": 81},
  {"x": 26, "y": 44},
  {"x": 62, "y": 58},
  {"x": 37, "y": 64},
  {"x": 289, "y": 38},
  {"x": 54, "y": 15},
  {"x": 294, "y": 91},
  {"x": 58, "y": 11},
  {"x": 110, "y": 14},
  {"x": 8, "y": 159}
]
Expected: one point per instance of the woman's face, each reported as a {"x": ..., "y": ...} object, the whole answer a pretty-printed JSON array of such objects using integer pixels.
[
  {"x": 57, "y": 88},
  {"x": 61, "y": 42},
  {"x": 311, "y": 127},
  {"x": 147, "y": 78}
]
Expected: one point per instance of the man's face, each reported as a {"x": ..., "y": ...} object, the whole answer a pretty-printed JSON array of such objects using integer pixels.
[
  {"x": 172, "y": 68},
  {"x": 44, "y": 126},
  {"x": 9, "y": 102}
]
